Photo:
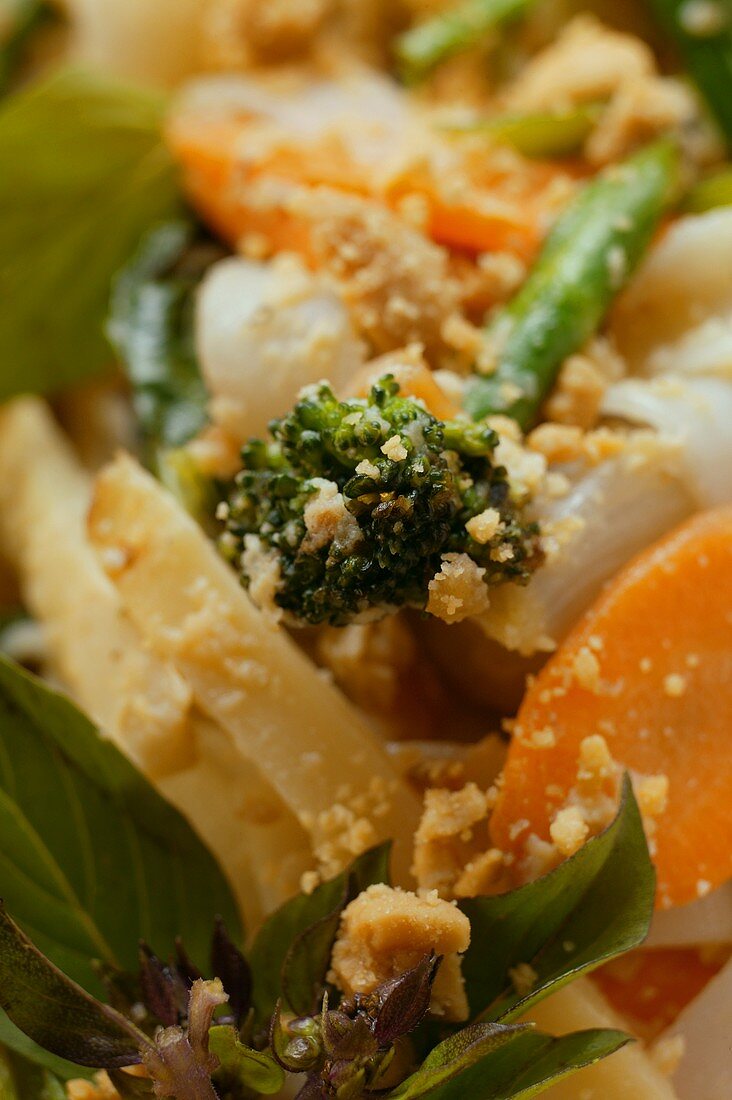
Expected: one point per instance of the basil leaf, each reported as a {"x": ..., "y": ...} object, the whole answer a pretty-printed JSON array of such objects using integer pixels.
[
  {"x": 19, "y": 1046},
  {"x": 22, "y": 1080},
  {"x": 281, "y": 944},
  {"x": 92, "y": 859},
  {"x": 151, "y": 328},
  {"x": 242, "y": 1067},
  {"x": 515, "y": 1066},
  {"x": 56, "y": 1012},
  {"x": 85, "y": 174},
  {"x": 596, "y": 905}
]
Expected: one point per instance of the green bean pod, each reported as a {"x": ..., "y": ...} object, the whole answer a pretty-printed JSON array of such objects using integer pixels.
[
  {"x": 594, "y": 247},
  {"x": 421, "y": 49}
]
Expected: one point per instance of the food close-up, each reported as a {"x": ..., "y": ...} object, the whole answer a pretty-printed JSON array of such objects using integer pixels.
[{"x": 365, "y": 549}]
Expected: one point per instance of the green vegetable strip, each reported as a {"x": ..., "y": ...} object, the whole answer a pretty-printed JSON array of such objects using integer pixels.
[
  {"x": 538, "y": 135},
  {"x": 595, "y": 245},
  {"x": 422, "y": 48},
  {"x": 703, "y": 32},
  {"x": 710, "y": 193}
]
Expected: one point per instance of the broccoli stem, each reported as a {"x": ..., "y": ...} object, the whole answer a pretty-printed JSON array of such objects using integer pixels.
[
  {"x": 589, "y": 254},
  {"x": 703, "y": 33},
  {"x": 422, "y": 48}
]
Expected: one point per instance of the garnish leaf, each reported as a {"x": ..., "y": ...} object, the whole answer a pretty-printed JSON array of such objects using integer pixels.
[
  {"x": 23, "y": 1080},
  {"x": 228, "y": 964},
  {"x": 306, "y": 962},
  {"x": 510, "y": 1063},
  {"x": 151, "y": 328},
  {"x": 56, "y": 1012},
  {"x": 280, "y": 940},
  {"x": 242, "y": 1066},
  {"x": 93, "y": 859},
  {"x": 20, "y": 1046},
  {"x": 404, "y": 1001},
  {"x": 596, "y": 905},
  {"x": 85, "y": 175}
]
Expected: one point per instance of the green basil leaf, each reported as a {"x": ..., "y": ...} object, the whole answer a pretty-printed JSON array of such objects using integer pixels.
[
  {"x": 524, "y": 1064},
  {"x": 596, "y": 905},
  {"x": 84, "y": 176},
  {"x": 57, "y": 1013},
  {"x": 92, "y": 859},
  {"x": 151, "y": 328},
  {"x": 271, "y": 950},
  {"x": 307, "y": 961},
  {"x": 17, "y": 1045},
  {"x": 23, "y": 1080},
  {"x": 241, "y": 1066},
  {"x": 454, "y": 1055}
]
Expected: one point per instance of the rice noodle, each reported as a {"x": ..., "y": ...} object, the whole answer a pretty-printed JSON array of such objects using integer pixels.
[
  {"x": 707, "y": 921},
  {"x": 705, "y": 1070}
]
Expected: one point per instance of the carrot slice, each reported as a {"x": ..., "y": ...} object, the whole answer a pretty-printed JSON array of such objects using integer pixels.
[
  {"x": 650, "y": 988},
  {"x": 482, "y": 210},
  {"x": 661, "y": 635}
]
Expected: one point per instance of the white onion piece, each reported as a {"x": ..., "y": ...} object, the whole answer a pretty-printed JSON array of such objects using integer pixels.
[
  {"x": 705, "y": 1070},
  {"x": 623, "y": 505},
  {"x": 707, "y": 921},
  {"x": 706, "y": 349},
  {"x": 685, "y": 280},
  {"x": 698, "y": 412},
  {"x": 263, "y": 331}
]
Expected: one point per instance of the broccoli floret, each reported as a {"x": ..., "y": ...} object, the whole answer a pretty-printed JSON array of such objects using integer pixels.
[{"x": 357, "y": 501}]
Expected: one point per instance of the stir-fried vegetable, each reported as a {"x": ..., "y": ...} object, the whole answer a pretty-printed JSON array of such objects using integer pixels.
[
  {"x": 557, "y": 134},
  {"x": 588, "y": 257},
  {"x": 703, "y": 31},
  {"x": 645, "y": 669},
  {"x": 360, "y": 504},
  {"x": 423, "y": 48}
]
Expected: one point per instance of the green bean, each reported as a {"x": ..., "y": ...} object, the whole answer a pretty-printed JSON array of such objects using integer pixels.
[
  {"x": 591, "y": 251},
  {"x": 421, "y": 49},
  {"x": 537, "y": 135},
  {"x": 703, "y": 31}
]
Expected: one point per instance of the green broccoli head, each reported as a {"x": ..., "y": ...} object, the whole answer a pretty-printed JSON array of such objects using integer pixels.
[{"x": 357, "y": 501}]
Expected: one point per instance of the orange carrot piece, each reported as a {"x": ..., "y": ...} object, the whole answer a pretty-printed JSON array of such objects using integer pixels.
[
  {"x": 651, "y": 987},
  {"x": 490, "y": 212},
  {"x": 662, "y": 637}
]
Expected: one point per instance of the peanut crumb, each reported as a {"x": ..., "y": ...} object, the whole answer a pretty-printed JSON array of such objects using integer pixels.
[
  {"x": 569, "y": 830},
  {"x": 586, "y": 670},
  {"x": 386, "y": 930},
  {"x": 394, "y": 449},
  {"x": 484, "y": 526},
  {"x": 674, "y": 685}
]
